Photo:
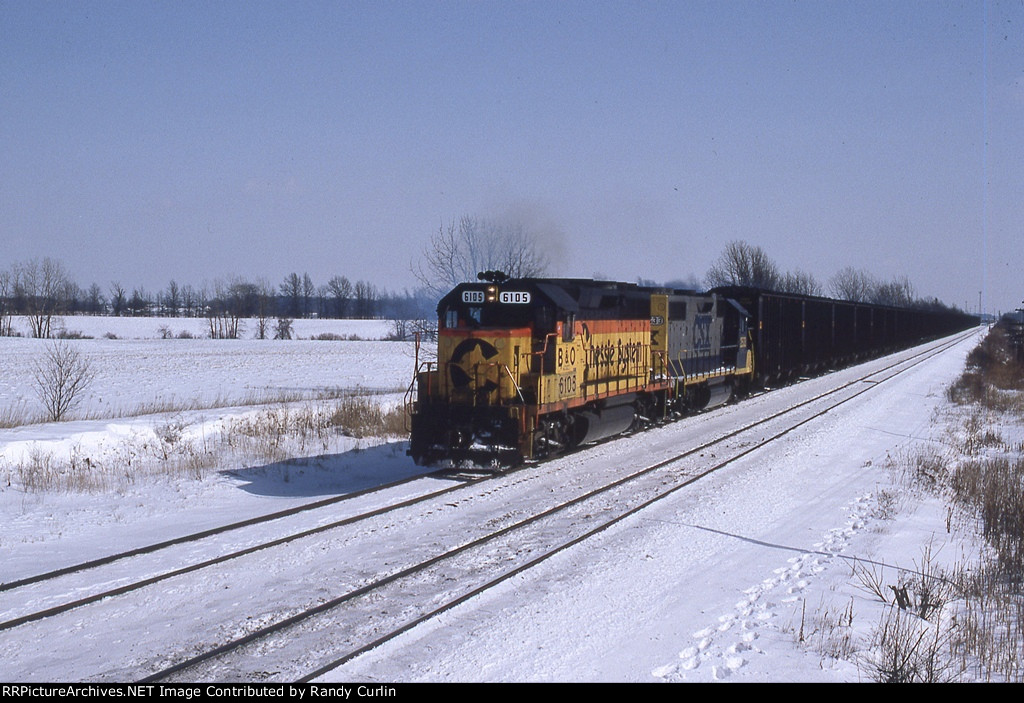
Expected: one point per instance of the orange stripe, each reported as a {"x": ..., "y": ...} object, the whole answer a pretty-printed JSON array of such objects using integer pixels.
[
  {"x": 614, "y": 326},
  {"x": 485, "y": 333},
  {"x": 569, "y": 403}
]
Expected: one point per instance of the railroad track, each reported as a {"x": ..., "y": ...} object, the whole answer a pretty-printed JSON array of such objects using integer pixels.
[
  {"x": 98, "y": 594},
  {"x": 381, "y": 609}
]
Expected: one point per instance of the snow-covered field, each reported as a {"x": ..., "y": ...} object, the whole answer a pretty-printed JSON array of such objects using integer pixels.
[
  {"x": 98, "y": 326},
  {"x": 138, "y": 370},
  {"x": 747, "y": 577}
]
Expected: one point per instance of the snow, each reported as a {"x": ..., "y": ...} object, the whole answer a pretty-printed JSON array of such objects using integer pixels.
[
  {"x": 104, "y": 326},
  {"x": 137, "y": 370},
  {"x": 719, "y": 582}
]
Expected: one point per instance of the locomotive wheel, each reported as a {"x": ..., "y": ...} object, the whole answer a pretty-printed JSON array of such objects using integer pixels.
[{"x": 552, "y": 437}]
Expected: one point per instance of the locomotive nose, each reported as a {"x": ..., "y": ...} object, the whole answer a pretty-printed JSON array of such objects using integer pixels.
[{"x": 470, "y": 368}]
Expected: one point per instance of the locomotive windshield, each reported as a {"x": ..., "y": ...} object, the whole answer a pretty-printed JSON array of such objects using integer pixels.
[
  {"x": 540, "y": 304},
  {"x": 478, "y": 309},
  {"x": 466, "y": 316}
]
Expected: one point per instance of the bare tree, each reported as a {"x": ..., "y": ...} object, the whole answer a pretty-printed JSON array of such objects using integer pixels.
[
  {"x": 291, "y": 291},
  {"x": 61, "y": 378},
  {"x": 118, "y": 298},
  {"x": 897, "y": 293},
  {"x": 140, "y": 302},
  {"x": 516, "y": 252},
  {"x": 70, "y": 297},
  {"x": 366, "y": 299},
  {"x": 6, "y": 302},
  {"x": 460, "y": 251},
  {"x": 172, "y": 299},
  {"x": 340, "y": 290},
  {"x": 95, "y": 300},
  {"x": 741, "y": 264},
  {"x": 43, "y": 284},
  {"x": 283, "y": 330},
  {"x": 800, "y": 283},
  {"x": 265, "y": 307},
  {"x": 230, "y": 303},
  {"x": 852, "y": 284},
  {"x": 189, "y": 300},
  {"x": 308, "y": 293}
]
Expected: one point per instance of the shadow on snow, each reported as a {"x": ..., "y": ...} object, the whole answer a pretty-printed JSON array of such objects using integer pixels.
[{"x": 331, "y": 474}]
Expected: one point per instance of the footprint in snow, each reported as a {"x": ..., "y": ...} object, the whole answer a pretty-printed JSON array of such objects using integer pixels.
[
  {"x": 689, "y": 653},
  {"x": 663, "y": 672},
  {"x": 732, "y": 665},
  {"x": 795, "y": 578},
  {"x": 689, "y": 659}
]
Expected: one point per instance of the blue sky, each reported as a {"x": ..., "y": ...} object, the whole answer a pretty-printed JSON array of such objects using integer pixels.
[{"x": 144, "y": 141}]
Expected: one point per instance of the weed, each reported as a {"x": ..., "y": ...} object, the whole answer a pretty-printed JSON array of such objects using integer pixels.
[
  {"x": 828, "y": 631},
  {"x": 870, "y": 579},
  {"x": 886, "y": 505},
  {"x": 993, "y": 376},
  {"x": 15, "y": 416},
  {"x": 945, "y": 624},
  {"x": 361, "y": 417},
  {"x": 273, "y": 434}
]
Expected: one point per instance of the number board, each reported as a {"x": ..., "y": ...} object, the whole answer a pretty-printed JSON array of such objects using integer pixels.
[{"x": 516, "y": 297}]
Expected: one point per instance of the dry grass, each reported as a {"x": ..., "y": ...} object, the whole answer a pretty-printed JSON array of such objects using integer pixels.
[
  {"x": 909, "y": 649},
  {"x": 15, "y": 416},
  {"x": 993, "y": 377},
  {"x": 994, "y": 490},
  {"x": 988, "y": 618},
  {"x": 173, "y": 448},
  {"x": 964, "y": 622},
  {"x": 20, "y": 415},
  {"x": 828, "y": 631},
  {"x": 359, "y": 416},
  {"x": 975, "y": 611}
]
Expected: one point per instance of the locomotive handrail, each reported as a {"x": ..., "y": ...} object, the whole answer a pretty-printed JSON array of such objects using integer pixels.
[
  {"x": 519, "y": 390},
  {"x": 411, "y": 396},
  {"x": 701, "y": 356},
  {"x": 542, "y": 351},
  {"x": 500, "y": 367},
  {"x": 662, "y": 355}
]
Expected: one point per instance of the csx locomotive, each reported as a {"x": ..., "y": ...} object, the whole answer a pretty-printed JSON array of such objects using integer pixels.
[{"x": 527, "y": 368}]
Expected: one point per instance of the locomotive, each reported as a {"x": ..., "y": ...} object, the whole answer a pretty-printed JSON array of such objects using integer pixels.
[{"x": 528, "y": 368}]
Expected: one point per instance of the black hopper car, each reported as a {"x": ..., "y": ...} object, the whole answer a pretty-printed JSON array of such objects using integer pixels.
[{"x": 795, "y": 335}]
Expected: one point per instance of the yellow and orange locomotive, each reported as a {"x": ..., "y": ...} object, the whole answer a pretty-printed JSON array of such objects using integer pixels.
[{"x": 527, "y": 368}]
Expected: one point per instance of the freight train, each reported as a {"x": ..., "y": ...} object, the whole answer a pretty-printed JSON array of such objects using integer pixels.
[{"x": 528, "y": 368}]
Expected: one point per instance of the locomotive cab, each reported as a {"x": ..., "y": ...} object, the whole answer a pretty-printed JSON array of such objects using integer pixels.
[{"x": 491, "y": 348}]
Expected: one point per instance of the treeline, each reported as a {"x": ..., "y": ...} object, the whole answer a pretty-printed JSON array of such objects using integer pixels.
[
  {"x": 43, "y": 289},
  {"x": 40, "y": 290},
  {"x": 741, "y": 264}
]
